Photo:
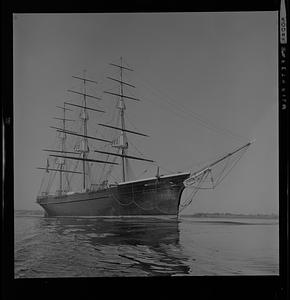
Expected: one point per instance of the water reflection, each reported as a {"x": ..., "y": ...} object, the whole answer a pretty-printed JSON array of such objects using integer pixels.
[{"x": 119, "y": 247}]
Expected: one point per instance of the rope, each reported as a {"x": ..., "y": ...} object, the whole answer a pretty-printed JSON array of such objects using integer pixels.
[
  {"x": 191, "y": 114},
  {"x": 154, "y": 163},
  {"x": 153, "y": 206},
  {"x": 142, "y": 173},
  {"x": 51, "y": 179},
  {"x": 71, "y": 176},
  {"x": 224, "y": 168},
  {"x": 127, "y": 119},
  {"x": 232, "y": 167},
  {"x": 139, "y": 152},
  {"x": 191, "y": 196},
  {"x": 41, "y": 184},
  {"x": 123, "y": 204},
  {"x": 116, "y": 179}
]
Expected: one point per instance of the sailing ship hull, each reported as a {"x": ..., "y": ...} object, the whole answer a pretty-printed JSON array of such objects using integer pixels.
[{"x": 149, "y": 197}]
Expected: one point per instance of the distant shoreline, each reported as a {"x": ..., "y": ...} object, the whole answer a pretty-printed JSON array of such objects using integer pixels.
[
  {"x": 196, "y": 215},
  {"x": 230, "y": 215},
  {"x": 28, "y": 212}
]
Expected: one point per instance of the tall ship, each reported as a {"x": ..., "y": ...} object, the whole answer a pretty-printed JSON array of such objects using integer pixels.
[{"x": 78, "y": 176}]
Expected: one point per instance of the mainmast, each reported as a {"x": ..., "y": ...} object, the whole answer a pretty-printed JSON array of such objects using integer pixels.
[
  {"x": 84, "y": 144},
  {"x": 122, "y": 143},
  {"x": 63, "y": 138},
  {"x": 61, "y": 161},
  {"x": 122, "y": 108}
]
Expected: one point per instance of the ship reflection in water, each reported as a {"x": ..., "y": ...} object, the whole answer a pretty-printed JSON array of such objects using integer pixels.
[{"x": 92, "y": 247}]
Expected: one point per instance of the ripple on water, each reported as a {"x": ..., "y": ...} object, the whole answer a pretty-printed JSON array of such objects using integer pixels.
[{"x": 52, "y": 247}]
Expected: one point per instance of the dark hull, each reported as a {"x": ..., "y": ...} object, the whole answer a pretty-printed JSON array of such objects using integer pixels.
[{"x": 149, "y": 197}]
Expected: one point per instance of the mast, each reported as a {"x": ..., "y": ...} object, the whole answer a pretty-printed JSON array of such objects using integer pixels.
[
  {"x": 62, "y": 149},
  {"x": 121, "y": 142},
  {"x": 84, "y": 117},
  {"x": 61, "y": 161},
  {"x": 122, "y": 108}
]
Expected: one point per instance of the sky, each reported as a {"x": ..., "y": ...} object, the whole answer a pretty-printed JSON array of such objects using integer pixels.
[{"x": 220, "y": 68}]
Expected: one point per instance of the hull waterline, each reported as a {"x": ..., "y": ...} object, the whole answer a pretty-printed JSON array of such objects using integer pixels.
[{"x": 151, "y": 197}]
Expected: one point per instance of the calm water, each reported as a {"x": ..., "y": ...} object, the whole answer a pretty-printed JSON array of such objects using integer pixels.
[{"x": 76, "y": 247}]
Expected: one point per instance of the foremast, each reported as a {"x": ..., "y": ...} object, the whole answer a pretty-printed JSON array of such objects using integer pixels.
[
  {"x": 122, "y": 109},
  {"x": 122, "y": 143}
]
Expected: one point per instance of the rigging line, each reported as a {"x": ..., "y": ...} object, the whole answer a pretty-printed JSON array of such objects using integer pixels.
[
  {"x": 74, "y": 168},
  {"x": 41, "y": 183},
  {"x": 187, "y": 203},
  {"x": 224, "y": 168},
  {"x": 199, "y": 117},
  {"x": 54, "y": 143},
  {"x": 232, "y": 167},
  {"x": 66, "y": 177},
  {"x": 51, "y": 181},
  {"x": 181, "y": 114},
  {"x": 141, "y": 190},
  {"x": 238, "y": 157},
  {"x": 96, "y": 173},
  {"x": 127, "y": 119},
  {"x": 122, "y": 204},
  {"x": 106, "y": 174},
  {"x": 187, "y": 200},
  {"x": 131, "y": 143},
  {"x": 103, "y": 169},
  {"x": 145, "y": 209},
  {"x": 196, "y": 116},
  {"x": 116, "y": 179},
  {"x": 143, "y": 172},
  {"x": 207, "y": 162},
  {"x": 100, "y": 75},
  {"x": 216, "y": 130},
  {"x": 111, "y": 133},
  {"x": 110, "y": 168},
  {"x": 102, "y": 136},
  {"x": 166, "y": 170},
  {"x": 112, "y": 116},
  {"x": 124, "y": 61},
  {"x": 88, "y": 173},
  {"x": 155, "y": 163}
]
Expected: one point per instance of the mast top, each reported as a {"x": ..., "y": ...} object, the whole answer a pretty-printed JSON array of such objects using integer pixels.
[
  {"x": 84, "y": 94},
  {"x": 64, "y": 108},
  {"x": 121, "y": 67},
  {"x": 85, "y": 79}
]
